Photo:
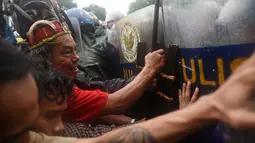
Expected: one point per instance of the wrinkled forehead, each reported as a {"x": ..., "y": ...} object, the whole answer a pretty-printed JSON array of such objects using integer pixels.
[{"x": 64, "y": 41}]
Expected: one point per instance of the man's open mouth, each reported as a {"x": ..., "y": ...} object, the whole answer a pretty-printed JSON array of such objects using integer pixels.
[{"x": 74, "y": 69}]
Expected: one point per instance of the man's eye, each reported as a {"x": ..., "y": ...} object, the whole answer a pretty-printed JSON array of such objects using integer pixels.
[{"x": 68, "y": 53}]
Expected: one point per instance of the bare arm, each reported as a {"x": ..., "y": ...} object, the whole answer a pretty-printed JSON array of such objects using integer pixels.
[
  {"x": 115, "y": 119},
  {"x": 168, "y": 128},
  {"x": 230, "y": 104},
  {"x": 124, "y": 98}
]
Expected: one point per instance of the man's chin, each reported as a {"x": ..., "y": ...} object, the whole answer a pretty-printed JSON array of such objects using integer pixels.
[{"x": 74, "y": 75}]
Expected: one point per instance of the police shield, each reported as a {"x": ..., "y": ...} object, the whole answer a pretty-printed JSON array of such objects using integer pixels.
[{"x": 215, "y": 36}]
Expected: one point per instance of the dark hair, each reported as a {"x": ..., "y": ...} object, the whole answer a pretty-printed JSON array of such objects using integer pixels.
[
  {"x": 52, "y": 84},
  {"x": 43, "y": 52},
  {"x": 13, "y": 65}
]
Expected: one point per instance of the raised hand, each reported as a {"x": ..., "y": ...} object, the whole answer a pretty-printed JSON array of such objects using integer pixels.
[
  {"x": 155, "y": 60},
  {"x": 185, "y": 98}
]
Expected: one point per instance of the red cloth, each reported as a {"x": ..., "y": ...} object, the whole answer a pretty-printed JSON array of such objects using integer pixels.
[{"x": 85, "y": 106}]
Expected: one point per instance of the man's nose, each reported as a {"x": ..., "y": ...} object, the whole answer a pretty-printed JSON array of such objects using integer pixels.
[{"x": 76, "y": 58}]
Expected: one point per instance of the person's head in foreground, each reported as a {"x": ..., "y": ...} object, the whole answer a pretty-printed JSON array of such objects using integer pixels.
[
  {"x": 52, "y": 41},
  {"x": 19, "y": 108},
  {"x": 54, "y": 88}
]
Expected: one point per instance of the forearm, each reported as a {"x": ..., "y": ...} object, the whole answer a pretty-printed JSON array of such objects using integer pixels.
[
  {"x": 116, "y": 119},
  {"x": 110, "y": 86},
  {"x": 168, "y": 128},
  {"x": 124, "y": 98},
  {"x": 177, "y": 125}
]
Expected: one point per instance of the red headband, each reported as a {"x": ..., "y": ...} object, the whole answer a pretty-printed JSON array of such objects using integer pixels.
[{"x": 44, "y": 31}]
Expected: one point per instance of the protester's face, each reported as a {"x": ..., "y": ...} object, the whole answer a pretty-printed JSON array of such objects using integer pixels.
[
  {"x": 19, "y": 109},
  {"x": 64, "y": 56},
  {"x": 50, "y": 121}
]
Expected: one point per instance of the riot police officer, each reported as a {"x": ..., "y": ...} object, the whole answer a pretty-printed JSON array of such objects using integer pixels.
[
  {"x": 100, "y": 31},
  {"x": 113, "y": 17}
]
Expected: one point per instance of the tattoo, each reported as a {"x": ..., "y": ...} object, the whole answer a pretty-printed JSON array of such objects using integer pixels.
[{"x": 133, "y": 135}]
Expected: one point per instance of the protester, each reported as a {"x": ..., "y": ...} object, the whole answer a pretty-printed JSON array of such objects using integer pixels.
[
  {"x": 51, "y": 41},
  {"x": 229, "y": 104},
  {"x": 19, "y": 107},
  {"x": 54, "y": 89},
  {"x": 99, "y": 60}
]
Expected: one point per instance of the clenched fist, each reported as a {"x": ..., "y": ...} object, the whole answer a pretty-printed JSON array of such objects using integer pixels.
[{"x": 155, "y": 60}]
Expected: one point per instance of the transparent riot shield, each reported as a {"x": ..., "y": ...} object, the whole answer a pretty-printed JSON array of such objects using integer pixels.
[
  {"x": 215, "y": 37},
  {"x": 190, "y": 23},
  {"x": 203, "y": 23}
]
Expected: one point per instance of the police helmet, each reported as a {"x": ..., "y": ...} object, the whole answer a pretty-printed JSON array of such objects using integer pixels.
[
  {"x": 85, "y": 20},
  {"x": 95, "y": 19}
]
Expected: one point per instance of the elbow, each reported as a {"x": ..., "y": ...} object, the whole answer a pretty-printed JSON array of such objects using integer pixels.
[
  {"x": 120, "y": 108},
  {"x": 116, "y": 104}
]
